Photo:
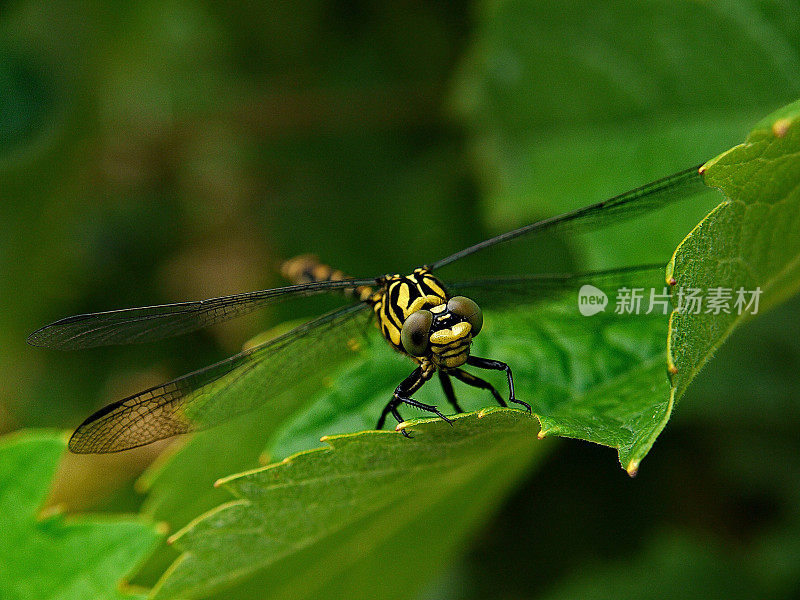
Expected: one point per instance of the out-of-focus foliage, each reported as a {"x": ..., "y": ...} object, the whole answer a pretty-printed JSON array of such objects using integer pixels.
[
  {"x": 48, "y": 555},
  {"x": 572, "y": 103},
  {"x": 161, "y": 151}
]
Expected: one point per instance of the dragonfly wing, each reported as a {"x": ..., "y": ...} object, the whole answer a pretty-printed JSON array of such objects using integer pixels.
[
  {"x": 224, "y": 390},
  {"x": 510, "y": 291},
  {"x": 150, "y": 323},
  {"x": 642, "y": 200}
]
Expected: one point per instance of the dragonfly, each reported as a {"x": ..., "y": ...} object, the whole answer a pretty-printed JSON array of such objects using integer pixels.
[{"x": 418, "y": 314}]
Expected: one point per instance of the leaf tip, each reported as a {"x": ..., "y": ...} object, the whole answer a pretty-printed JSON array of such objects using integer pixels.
[
  {"x": 542, "y": 433},
  {"x": 401, "y": 428},
  {"x": 126, "y": 588},
  {"x": 632, "y": 468},
  {"x": 162, "y": 528},
  {"x": 672, "y": 368},
  {"x": 48, "y": 512},
  {"x": 485, "y": 411},
  {"x": 780, "y": 127}
]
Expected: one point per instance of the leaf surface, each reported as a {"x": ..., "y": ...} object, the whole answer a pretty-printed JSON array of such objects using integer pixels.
[{"x": 299, "y": 526}]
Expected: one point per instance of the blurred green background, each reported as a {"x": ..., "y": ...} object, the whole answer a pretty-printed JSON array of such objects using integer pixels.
[{"x": 162, "y": 151}]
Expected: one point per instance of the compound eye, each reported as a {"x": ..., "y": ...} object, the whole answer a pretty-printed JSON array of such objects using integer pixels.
[
  {"x": 414, "y": 334},
  {"x": 466, "y": 308}
]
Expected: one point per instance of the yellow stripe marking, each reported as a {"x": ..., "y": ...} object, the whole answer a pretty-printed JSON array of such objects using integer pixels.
[
  {"x": 403, "y": 297},
  {"x": 435, "y": 286},
  {"x": 394, "y": 335}
]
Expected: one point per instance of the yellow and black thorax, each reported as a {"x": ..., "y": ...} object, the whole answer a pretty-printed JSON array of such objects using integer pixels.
[{"x": 402, "y": 295}]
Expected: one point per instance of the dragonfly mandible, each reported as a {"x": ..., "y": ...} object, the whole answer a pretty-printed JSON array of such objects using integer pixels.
[{"x": 418, "y": 314}]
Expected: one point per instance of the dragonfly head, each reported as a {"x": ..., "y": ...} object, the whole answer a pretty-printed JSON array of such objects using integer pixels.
[{"x": 444, "y": 332}]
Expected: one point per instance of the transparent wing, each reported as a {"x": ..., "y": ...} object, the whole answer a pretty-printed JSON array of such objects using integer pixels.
[
  {"x": 526, "y": 289},
  {"x": 229, "y": 388},
  {"x": 639, "y": 201},
  {"x": 150, "y": 323}
]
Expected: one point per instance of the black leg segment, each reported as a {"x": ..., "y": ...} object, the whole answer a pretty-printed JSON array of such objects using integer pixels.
[
  {"x": 447, "y": 386},
  {"x": 402, "y": 395},
  {"x": 477, "y": 382},
  {"x": 386, "y": 410},
  {"x": 496, "y": 365}
]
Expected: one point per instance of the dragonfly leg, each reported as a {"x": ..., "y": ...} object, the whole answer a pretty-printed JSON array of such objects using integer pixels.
[
  {"x": 496, "y": 365},
  {"x": 402, "y": 395},
  {"x": 447, "y": 386},
  {"x": 427, "y": 407},
  {"x": 390, "y": 407},
  {"x": 477, "y": 382},
  {"x": 407, "y": 387}
]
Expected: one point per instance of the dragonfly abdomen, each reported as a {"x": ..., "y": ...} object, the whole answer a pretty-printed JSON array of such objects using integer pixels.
[{"x": 307, "y": 268}]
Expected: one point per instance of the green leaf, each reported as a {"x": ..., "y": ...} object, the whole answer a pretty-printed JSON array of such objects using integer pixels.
[
  {"x": 322, "y": 522},
  {"x": 749, "y": 243},
  {"x": 600, "y": 378},
  {"x": 52, "y": 556}
]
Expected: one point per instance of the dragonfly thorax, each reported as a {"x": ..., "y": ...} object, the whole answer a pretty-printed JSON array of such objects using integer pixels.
[
  {"x": 416, "y": 315},
  {"x": 400, "y": 296}
]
